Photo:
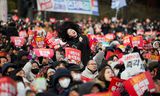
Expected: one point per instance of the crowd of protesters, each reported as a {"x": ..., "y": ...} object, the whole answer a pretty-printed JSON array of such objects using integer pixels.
[{"x": 34, "y": 75}]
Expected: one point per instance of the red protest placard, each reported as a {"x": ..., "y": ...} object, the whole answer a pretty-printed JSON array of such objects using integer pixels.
[
  {"x": 116, "y": 85},
  {"x": 23, "y": 33},
  {"x": 43, "y": 52},
  {"x": 73, "y": 54},
  {"x": 109, "y": 37},
  {"x": 39, "y": 42},
  {"x": 7, "y": 87},
  {"x": 126, "y": 40},
  {"x": 137, "y": 41},
  {"x": 100, "y": 38},
  {"x": 51, "y": 41},
  {"x": 104, "y": 94},
  {"x": 18, "y": 41},
  {"x": 137, "y": 85}
]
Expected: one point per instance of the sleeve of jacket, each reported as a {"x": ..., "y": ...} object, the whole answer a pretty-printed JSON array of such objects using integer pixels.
[{"x": 27, "y": 68}]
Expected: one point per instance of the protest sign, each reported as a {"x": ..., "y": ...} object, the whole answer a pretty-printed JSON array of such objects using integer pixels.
[
  {"x": 23, "y": 33},
  {"x": 51, "y": 41},
  {"x": 109, "y": 37},
  {"x": 18, "y": 41},
  {"x": 70, "y": 6},
  {"x": 43, "y": 52},
  {"x": 39, "y": 41},
  {"x": 126, "y": 40},
  {"x": 73, "y": 54},
  {"x": 116, "y": 85},
  {"x": 7, "y": 87},
  {"x": 137, "y": 85},
  {"x": 133, "y": 63},
  {"x": 137, "y": 41}
]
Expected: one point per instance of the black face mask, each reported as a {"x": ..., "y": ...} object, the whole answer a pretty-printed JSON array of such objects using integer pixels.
[{"x": 35, "y": 71}]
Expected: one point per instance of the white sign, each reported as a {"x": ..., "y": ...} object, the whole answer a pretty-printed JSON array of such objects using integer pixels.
[
  {"x": 133, "y": 64},
  {"x": 116, "y": 4}
]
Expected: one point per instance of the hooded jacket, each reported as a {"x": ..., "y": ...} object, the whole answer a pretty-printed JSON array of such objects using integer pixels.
[
  {"x": 6, "y": 66},
  {"x": 56, "y": 89}
]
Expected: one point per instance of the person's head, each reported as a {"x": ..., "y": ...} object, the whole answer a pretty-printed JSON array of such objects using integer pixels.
[
  {"x": 106, "y": 74},
  {"x": 69, "y": 30},
  {"x": 20, "y": 73},
  {"x": 45, "y": 61},
  {"x": 35, "y": 68},
  {"x": 92, "y": 66},
  {"x": 30, "y": 93},
  {"x": 8, "y": 68},
  {"x": 62, "y": 77},
  {"x": 74, "y": 91},
  {"x": 60, "y": 64},
  {"x": 89, "y": 88},
  {"x": 59, "y": 54},
  {"x": 50, "y": 72},
  {"x": 3, "y": 60},
  {"x": 75, "y": 72}
]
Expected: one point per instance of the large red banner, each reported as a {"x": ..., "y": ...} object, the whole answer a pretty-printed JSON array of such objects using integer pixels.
[{"x": 137, "y": 85}]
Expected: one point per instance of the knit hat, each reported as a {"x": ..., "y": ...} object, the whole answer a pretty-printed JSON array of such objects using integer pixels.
[{"x": 50, "y": 70}]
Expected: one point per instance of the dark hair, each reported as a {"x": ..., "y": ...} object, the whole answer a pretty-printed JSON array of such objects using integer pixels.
[
  {"x": 62, "y": 33},
  {"x": 101, "y": 73}
]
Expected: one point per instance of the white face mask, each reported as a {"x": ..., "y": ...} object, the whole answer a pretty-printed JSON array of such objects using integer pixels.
[
  {"x": 76, "y": 77},
  {"x": 65, "y": 82}
]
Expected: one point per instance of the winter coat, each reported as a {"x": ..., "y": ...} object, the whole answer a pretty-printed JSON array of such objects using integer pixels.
[
  {"x": 27, "y": 69},
  {"x": 83, "y": 47},
  {"x": 88, "y": 74}
]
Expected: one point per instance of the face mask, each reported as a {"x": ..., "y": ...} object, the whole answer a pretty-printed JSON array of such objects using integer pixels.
[
  {"x": 77, "y": 77},
  {"x": 35, "y": 71},
  {"x": 65, "y": 82}
]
